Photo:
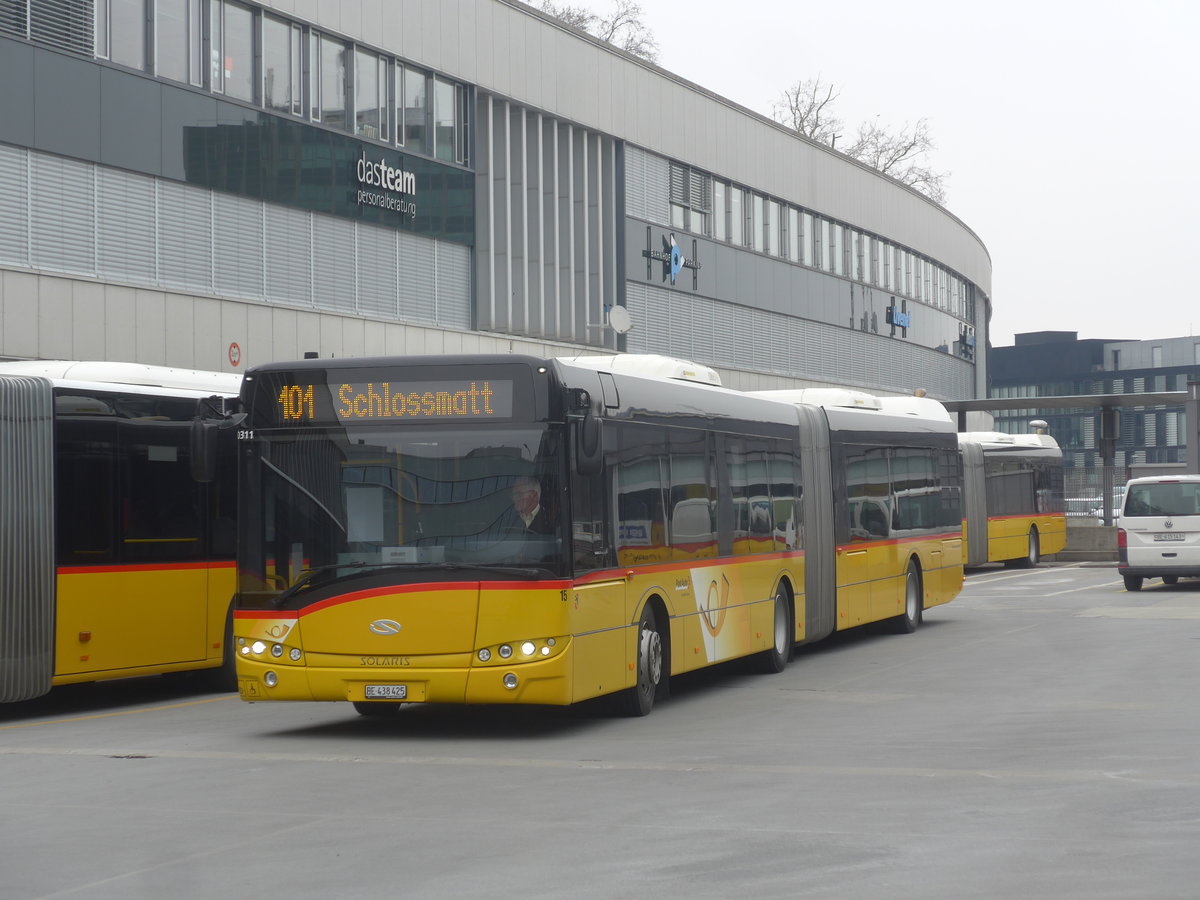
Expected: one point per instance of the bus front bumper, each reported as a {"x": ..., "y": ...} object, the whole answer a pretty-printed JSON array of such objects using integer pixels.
[{"x": 451, "y": 680}]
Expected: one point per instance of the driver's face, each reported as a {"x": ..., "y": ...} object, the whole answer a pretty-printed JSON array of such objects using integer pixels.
[{"x": 525, "y": 499}]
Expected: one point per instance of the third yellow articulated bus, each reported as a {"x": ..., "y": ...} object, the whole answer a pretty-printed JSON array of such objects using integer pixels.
[
  {"x": 510, "y": 529},
  {"x": 1013, "y": 508}
]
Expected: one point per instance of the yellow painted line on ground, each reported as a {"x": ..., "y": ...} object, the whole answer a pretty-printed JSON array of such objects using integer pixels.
[{"x": 123, "y": 712}]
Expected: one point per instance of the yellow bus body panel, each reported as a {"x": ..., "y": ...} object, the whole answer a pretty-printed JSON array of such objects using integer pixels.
[
  {"x": 1008, "y": 536},
  {"x": 583, "y": 634},
  {"x": 871, "y": 576},
  {"x": 140, "y": 620}
]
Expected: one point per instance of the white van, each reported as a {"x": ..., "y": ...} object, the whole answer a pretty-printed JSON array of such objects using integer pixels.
[{"x": 1159, "y": 533}]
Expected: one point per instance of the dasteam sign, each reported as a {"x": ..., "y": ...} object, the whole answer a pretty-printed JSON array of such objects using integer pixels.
[{"x": 400, "y": 186}]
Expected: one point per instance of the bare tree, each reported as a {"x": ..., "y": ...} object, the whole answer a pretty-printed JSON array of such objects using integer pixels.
[
  {"x": 623, "y": 27},
  {"x": 806, "y": 107},
  {"x": 901, "y": 155}
]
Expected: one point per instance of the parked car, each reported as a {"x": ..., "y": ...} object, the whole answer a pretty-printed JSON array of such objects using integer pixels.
[{"x": 1158, "y": 535}]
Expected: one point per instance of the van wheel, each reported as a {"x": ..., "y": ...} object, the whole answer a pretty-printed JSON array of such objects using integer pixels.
[
  {"x": 639, "y": 699},
  {"x": 1171, "y": 579},
  {"x": 1133, "y": 582}
]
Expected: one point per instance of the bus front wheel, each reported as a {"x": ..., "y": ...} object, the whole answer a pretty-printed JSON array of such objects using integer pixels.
[{"x": 639, "y": 699}]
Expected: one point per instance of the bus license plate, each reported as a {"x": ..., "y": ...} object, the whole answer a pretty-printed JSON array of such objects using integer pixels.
[
  {"x": 386, "y": 691},
  {"x": 1169, "y": 536}
]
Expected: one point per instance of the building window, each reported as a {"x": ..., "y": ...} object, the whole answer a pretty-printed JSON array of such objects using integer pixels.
[
  {"x": 177, "y": 39},
  {"x": 773, "y": 227},
  {"x": 720, "y": 229},
  {"x": 232, "y": 38},
  {"x": 794, "y": 238},
  {"x": 444, "y": 118},
  {"x": 327, "y": 68},
  {"x": 415, "y": 113},
  {"x": 124, "y": 32},
  {"x": 808, "y": 238},
  {"x": 370, "y": 95},
  {"x": 282, "y": 66},
  {"x": 758, "y": 233},
  {"x": 736, "y": 217}
]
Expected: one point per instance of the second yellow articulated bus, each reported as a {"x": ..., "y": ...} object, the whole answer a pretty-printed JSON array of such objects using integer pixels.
[
  {"x": 1013, "y": 508},
  {"x": 511, "y": 529}
]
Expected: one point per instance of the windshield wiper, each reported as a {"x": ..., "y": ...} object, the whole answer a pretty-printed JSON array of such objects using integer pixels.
[{"x": 304, "y": 580}]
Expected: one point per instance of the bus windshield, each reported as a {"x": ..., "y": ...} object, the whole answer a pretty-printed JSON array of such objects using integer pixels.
[{"x": 347, "y": 500}]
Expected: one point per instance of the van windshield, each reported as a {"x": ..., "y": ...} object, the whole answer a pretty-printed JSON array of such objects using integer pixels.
[{"x": 1175, "y": 498}]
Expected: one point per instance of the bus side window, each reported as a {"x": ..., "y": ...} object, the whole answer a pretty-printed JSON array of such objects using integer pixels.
[{"x": 590, "y": 545}]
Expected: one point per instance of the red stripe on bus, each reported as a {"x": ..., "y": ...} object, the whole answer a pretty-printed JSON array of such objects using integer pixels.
[
  {"x": 676, "y": 565},
  {"x": 146, "y": 567}
]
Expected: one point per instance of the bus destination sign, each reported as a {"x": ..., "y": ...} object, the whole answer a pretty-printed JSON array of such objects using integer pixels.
[{"x": 407, "y": 401}]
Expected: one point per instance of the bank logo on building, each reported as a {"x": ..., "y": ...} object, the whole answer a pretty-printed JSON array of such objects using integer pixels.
[{"x": 672, "y": 257}]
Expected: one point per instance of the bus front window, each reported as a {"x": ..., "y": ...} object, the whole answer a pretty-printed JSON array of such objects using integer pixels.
[{"x": 366, "y": 497}]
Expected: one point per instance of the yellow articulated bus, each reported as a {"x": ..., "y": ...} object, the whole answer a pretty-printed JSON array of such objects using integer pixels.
[
  {"x": 114, "y": 560},
  {"x": 509, "y": 529},
  {"x": 1013, "y": 508}
]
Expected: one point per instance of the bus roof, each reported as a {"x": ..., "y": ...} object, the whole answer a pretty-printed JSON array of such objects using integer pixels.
[
  {"x": 998, "y": 441},
  {"x": 76, "y": 373}
]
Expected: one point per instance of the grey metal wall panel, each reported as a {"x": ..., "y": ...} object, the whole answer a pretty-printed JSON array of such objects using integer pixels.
[
  {"x": 63, "y": 216},
  {"x": 125, "y": 226},
  {"x": 288, "y": 261},
  {"x": 238, "y": 246},
  {"x": 27, "y": 575},
  {"x": 418, "y": 283},
  {"x": 185, "y": 237},
  {"x": 454, "y": 285},
  {"x": 377, "y": 273},
  {"x": 333, "y": 264},
  {"x": 14, "y": 205}
]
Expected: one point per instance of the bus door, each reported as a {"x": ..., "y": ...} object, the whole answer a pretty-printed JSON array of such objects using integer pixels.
[
  {"x": 597, "y": 600},
  {"x": 133, "y": 583}
]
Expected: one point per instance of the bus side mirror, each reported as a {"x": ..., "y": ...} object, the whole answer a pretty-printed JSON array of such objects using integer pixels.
[
  {"x": 204, "y": 450},
  {"x": 589, "y": 445}
]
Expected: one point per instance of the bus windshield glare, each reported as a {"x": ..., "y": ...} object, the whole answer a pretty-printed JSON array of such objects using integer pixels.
[{"x": 346, "y": 500}]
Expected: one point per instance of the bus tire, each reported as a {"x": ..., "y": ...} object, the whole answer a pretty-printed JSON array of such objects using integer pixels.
[
  {"x": 908, "y": 621},
  {"x": 376, "y": 709},
  {"x": 775, "y": 659},
  {"x": 1171, "y": 579},
  {"x": 639, "y": 699},
  {"x": 224, "y": 676},
  {"x": 1133, "y": 582},
  {"x": 1033, "y": 554}
]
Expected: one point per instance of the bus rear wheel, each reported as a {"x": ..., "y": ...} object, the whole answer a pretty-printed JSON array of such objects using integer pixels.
[
  {"x": 907, "y": 621},
  {"x": 776, "y": 658},
  {"x": 1033, "y": 552},
  {"x": 639, "y": 699}
]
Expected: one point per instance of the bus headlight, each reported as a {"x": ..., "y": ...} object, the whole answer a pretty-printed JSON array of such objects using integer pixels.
[
  {"x": 510, "y": 681},
  {"x": 271, "y": 679},
  {"x": 528, "y": 648},
  {"x": 485, "y": 654},
  {"x": 505, "y": 651},
  {"x": 258, "y": 647},
  {"x": 277, "y": 650},
  {"x": 295, "y": 654}
]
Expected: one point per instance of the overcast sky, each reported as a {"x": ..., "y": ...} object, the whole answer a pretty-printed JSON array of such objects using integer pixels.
[{"x": 1070, "y": 131}]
